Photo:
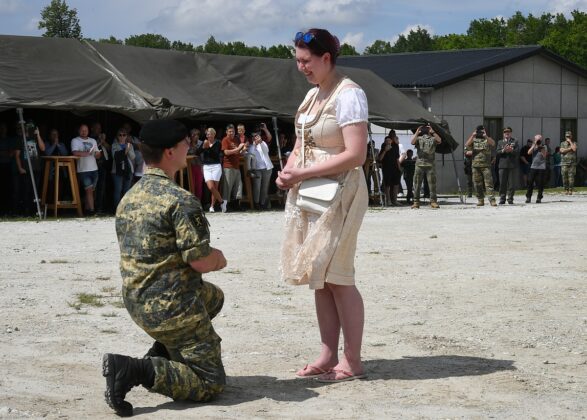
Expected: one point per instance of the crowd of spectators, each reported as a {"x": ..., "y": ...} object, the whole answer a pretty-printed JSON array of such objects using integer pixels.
[
  {"x": 108, "y": 165},
  {"x": 220, "y": 163}
]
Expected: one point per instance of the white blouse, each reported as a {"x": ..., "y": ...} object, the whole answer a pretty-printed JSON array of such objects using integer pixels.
[{"x": 351, "y": 107}]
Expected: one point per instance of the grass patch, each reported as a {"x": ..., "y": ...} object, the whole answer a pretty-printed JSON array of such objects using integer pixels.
[
  {"x": 108, "y": 331},
  {"x": 233, "y": 272},
  {"x": 58, "y": 262},
  {"x": 76, "y": 306},
  {"x": 89, "y": 299},
  {"x": 107, "y": 289},
  {"x": 374, "y": 252},
  {"x": 110, "y": 315},
  {"x": 102, "y": 277}
]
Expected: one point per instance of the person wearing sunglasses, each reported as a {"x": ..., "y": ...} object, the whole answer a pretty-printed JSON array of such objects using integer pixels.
[
  {"x": 123, "y": 168},
  {"x": 319, "y": 249}
]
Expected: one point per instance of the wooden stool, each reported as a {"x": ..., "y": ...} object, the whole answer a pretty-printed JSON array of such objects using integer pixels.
[{"x": 59, "y": 162}]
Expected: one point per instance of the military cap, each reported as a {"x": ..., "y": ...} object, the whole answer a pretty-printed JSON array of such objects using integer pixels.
[
  {"x": 163, "y": 133},
  {"x": 507, "y": 129},
  {"x": 568, "y": 133}
]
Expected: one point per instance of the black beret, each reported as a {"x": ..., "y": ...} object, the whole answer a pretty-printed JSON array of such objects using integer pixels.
[{"x": 163, "y": 133}]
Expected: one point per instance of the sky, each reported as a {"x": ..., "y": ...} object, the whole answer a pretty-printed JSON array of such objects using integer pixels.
[{"x": 272, "y": 22}]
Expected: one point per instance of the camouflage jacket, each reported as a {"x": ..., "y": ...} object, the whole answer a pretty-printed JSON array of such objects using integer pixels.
[
  {"x": 481, "y": 153},
  {"x": 569, "y": 158},
  {"x": 161, "y": 228},
  {"x": 425, "y": 147}
]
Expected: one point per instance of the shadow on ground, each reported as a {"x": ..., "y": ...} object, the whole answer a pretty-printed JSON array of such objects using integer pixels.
[{"x": 242, "y": 389}]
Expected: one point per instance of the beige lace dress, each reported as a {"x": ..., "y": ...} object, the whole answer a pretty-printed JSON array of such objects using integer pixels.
[{"x": 321, "y": 248}]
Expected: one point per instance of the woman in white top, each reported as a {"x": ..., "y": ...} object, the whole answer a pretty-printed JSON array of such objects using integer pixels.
[{"x": 319, "y": 250}]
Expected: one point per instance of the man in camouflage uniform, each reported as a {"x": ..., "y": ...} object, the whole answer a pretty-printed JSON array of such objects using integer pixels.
[
  {"x": 568, "y": 151},
  {"x": 164, "y": 249},
  {"x": 507, "y": 150},
  {"x": 479, "y": 147},
  {"x": 425, "y": 139}
]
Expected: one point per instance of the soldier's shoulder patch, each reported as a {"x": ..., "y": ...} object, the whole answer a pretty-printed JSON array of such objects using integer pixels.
[{"x": 199, "y": 222}]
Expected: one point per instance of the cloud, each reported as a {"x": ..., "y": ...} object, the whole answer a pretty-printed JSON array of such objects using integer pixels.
[
  {"x": 33, "y": 25},
  {"x": 9, "y": 6},
  {"x": 567, "y": 6},
  {"x": 264, "y": 22},
  {"x": 354, "y": 39}
]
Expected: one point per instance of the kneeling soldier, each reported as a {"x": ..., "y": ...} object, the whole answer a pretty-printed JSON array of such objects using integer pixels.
[{"x": 164, "y": 249}]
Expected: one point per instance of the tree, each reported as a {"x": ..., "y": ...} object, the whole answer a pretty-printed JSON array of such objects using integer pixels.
[
  {"x": 182, "y": 46},
  {"x": 149, "y": 41},
  {"x": 59, "y": 21},
  {"x": 485, "y": 33},
  {"x": 347, "y": 49},
  {"x": 378, "y": 47},
  {"x": 280, "y": 51},
  {"x": 417, "y": 40},
  {"x": 111, "y": 40},
  {"x": 568, "y": 38},
  {"x": 452, "y": 42}
]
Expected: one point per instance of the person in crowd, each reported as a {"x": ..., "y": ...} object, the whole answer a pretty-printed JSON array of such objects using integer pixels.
[
  {"x": 479, "y": 146},
  {"x": 525, "y": 162},
  {"x": 86, "y": 148},
  {"x": 104, "y": 166},
  {"x": 139, "y": 163},
  {"x": 122, "y": 170},
  {"x": 568, "y": 150},
  {"x": 55, "y": 147},
  {"x": 164, "y": 250},
  {"x": 425, "y": 139},
  {"x": 334, "y": 115},
  {"x": 241, "y": 135},
  {"x": 549, "y": 162},
  {"x": 232, "y": 150},
  {"x": 23, "y": 188},
  {"x": 409, "y": 167},
  {"x": 6, "y": 175},
  {"x": 371, "y": 168},
  {"x": 197, "y": 173},
  {"x": 468, "y": 170},
  {"x": 507, "y": 150},
  {"x": 556, "y": 164},
  {"x": 211, "y": 156},
  {"x": 262, "y": 169},
  {"x": 537, "y": 154},
  {"x": 390, "y": 166}
]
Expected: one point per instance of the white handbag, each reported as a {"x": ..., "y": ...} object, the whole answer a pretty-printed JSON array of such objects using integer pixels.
[{"x": 315, "y": 195}]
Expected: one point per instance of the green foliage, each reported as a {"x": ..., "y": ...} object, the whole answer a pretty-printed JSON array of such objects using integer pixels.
[
  {"x": 182, "y": 46},
  {"x": 149, "y": 41},
  {"x": 111, "y": 40},
  {"x": 378, "y": 47},
  {"x": 347, "y": 49},
  {"x": 568, "y": 38},
  {"x": 59, "y": 21},
  {"x": 417, "y": 40}
]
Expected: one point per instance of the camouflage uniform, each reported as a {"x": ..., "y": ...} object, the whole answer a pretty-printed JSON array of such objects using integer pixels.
[
  {"x": 425, "y": 166},
  {"x": 482, "y": 169},
  {"x": 161, "y": 228},
  {"x": 568, "y": 166}
]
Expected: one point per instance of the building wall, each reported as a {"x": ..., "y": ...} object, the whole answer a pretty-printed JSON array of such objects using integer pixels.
[{"x": 531, "y": 96}]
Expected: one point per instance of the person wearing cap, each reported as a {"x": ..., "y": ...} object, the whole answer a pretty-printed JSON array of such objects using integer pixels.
[
  {"x": 479, "y": 146},
  {"x": 164, "y": 250},
  {"x": 507, "y": 150},
  {"x": 568, "y": 150}
]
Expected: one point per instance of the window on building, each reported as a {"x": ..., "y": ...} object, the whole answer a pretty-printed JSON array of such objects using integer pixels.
[
  {"x": 568, "y": 124},
  {"x": 493, "y": 127}
]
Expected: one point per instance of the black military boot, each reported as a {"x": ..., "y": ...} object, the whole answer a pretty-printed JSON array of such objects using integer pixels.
[
  {"x": 122, "y": 373},
  {"x": 158, "y": 350}
]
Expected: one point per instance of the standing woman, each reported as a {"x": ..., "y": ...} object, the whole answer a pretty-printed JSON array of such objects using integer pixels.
[
  {"x": 211, "y": 156},
  {"x": 319, "y": 249},
  {"x": 122, "y": 170},
  {"x": 390, "y": 166}
]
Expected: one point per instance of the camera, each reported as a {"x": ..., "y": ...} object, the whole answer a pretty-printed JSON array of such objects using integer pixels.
[
  {"x": 480, "y": 132},
  {"x": 424, "y": 130}
]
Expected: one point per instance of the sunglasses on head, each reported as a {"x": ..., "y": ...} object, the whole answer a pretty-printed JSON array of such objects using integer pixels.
[{"x": 306, "y": 37}]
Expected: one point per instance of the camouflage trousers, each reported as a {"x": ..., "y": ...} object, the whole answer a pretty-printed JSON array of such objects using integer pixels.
[
  {"x": 568, "y": 173},
  {"x": 194, "y": 370},
  {"x": 430, "y": 173},
  {"x": 483, "y": 181}
]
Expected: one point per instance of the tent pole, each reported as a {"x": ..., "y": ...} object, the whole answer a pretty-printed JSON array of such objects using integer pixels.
[
  {"x": 375, "y": 166},
  {"x": 276, "y": 134},
  {"x": 454, "y": 163},
  {"x": 28, "y": 159}
]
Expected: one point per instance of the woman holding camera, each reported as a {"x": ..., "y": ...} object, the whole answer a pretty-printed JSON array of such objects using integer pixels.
[
  {"x": 537, "y": 169},
  {"x": 122, "y": 169},
  {"x": 319, "y": 249}
]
